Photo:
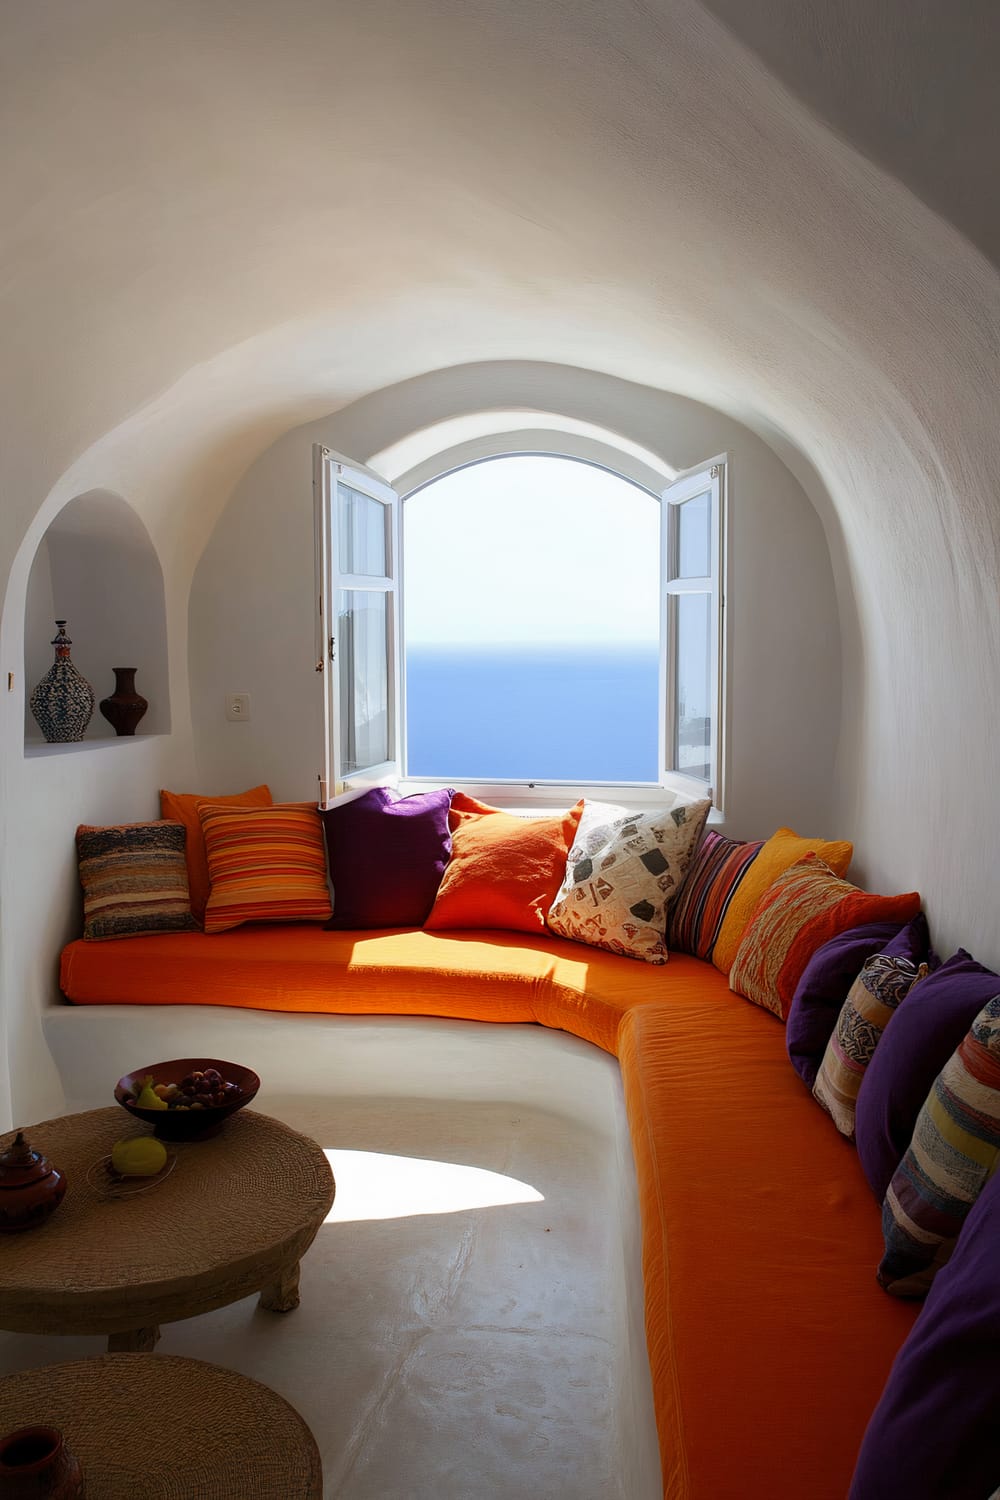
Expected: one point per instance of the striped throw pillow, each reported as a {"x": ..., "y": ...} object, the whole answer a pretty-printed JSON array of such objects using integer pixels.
[
  {"x": 696, "y": 917},
  {"x": 265, "y": 864},
  {"x": 806, "y": 906},
  {"x": 954, "y": 1151},
  {"x": 134, "y": 880},
  {"x": 882, "y": 985}
]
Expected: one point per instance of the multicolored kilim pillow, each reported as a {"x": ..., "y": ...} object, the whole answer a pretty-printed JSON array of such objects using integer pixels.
[
  {"x": 266, "y": 864},
  {"x": 804, "y": 908},
  {"x": 954, "y": 1152},
  {"x": 622, "y": 873},
  {"x": 716, "y": 871},
  {"x": 883, "y": 983},
  {"x": 134, "y": 880}
]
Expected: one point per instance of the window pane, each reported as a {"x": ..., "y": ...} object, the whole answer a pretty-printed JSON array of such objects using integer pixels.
[
  {"x": 363, "y": 660},
  {"x": 532, "y": 610},
  {"x": 693, "y": 667},
  {"x": 361, "y": 527},
  {"x": 694, "y": 537}
]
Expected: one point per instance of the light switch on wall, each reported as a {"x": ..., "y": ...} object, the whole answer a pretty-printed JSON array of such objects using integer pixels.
[{"x": 238, "y": 707}]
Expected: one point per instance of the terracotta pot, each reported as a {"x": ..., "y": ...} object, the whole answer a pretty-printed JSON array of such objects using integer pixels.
[
  {"x": 30, "y": 1188},
  {"x": 125, "y": 707},
  {"x": 35, "y": 1464}
]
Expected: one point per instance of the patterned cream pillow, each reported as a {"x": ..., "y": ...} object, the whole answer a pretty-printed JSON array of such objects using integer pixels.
[{"x": 623, "y": 871}]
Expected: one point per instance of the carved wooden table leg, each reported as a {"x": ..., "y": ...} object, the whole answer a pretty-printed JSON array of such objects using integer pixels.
[
  {"x": 282, "y": 1295},
  {"x": 136, "y": 1341}
]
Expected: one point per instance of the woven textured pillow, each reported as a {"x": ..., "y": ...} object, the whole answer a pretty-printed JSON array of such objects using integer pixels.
[
  {"x": 711, "y": 883},
  {"x": 504, "y": 870},
  {"x": 182, "y": 807},
  {"x": 623, "y": 871},
  {"x": 954, "y": 1152},
  {"x": 266, "y": 864},
  {"x": 782, "y": 850},
  {"x": 134, "y": 880},
  {"x": 883, "y": 983},
  {"x": 804, "y": 908}
]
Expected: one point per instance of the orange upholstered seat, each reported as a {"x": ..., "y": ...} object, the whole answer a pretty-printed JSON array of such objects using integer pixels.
[{"x": 769, "y": 1339}]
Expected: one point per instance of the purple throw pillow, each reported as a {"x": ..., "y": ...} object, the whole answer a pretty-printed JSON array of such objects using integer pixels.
[
  {"x": 936, "y": 1429},
  {"x": 387, "y": 856},
  {"x": 924, "y": 1033},
  {"x": 821, "y": 992}
]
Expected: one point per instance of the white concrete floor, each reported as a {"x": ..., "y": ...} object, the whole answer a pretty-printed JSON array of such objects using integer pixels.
[{"x": 467, "y": 1329}]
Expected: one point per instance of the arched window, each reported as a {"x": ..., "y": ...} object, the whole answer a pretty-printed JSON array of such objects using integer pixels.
[{"x": 520, "y": 623}]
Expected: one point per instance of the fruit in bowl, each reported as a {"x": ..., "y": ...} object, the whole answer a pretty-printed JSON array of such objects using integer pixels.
[{"x": 188, "y": 1097}]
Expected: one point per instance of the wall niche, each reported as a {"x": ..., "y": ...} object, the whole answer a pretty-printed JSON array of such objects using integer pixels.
[{"x": 97, "y": 569}]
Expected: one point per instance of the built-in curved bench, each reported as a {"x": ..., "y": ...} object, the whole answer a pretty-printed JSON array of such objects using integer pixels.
[{"x": 769, "y": 1340}]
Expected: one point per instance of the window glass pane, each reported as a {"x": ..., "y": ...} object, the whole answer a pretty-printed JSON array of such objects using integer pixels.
[
  {"x": 532, "y": 621},
  {"x": 361, "y": 533},
  {"x": 693, "y": 667},
  {"x": 694, "y": 537},
  {"x": 362, "y": 644}
]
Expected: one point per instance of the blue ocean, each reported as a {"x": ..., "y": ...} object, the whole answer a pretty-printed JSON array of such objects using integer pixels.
[{"x": 532, "y": 713}]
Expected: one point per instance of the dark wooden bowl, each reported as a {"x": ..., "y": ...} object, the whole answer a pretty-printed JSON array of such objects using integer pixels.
[{"x": 193, "y": 1124}]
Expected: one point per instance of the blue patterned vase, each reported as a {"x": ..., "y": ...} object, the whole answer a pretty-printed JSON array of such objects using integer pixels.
[{"x": 63, "y": 701}]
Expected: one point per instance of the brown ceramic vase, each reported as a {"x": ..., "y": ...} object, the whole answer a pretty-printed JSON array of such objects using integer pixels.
[
  {"x": 35, "y": 1464},
  {"x": 125, "y": 707},
  {"x": 30, "y": 1189}
]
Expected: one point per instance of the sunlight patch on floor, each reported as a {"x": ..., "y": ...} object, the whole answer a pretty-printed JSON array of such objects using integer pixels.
[{"x": 374, "y": 1185}]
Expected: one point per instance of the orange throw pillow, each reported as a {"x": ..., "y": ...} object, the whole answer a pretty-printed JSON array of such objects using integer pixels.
[
  {"x": 267, "y": 864},
  {"x": 505, "y": 871},
  {"x": 182, "y": 807},
  {"x": 781, "y": 850},
  {"x": 804, "y": 908}
]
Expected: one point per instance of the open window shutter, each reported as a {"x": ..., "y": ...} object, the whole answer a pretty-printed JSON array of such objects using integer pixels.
[
  {"x": 691, "y": 676},
  {"x": 357, "y": 624}
]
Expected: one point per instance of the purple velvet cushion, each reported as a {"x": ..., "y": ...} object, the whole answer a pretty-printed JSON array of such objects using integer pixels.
[
  {"x": 829, "y": 974},
  {"x": 936, "y": 1430},
  {"x": 924, "y": 1033},
  {"x": 387, "y": 856}
]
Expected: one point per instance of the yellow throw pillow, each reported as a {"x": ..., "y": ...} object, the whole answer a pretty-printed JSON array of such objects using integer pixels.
[{"x": 782, "y": 850}]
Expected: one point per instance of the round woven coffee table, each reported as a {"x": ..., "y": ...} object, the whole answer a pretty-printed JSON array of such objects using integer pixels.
[
  {"x": 163, "y": 1428},
  {"x": 232, "y": 1216}
]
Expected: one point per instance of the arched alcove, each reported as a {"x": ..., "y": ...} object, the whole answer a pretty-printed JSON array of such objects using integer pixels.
[{"x": 96, "y": 567}]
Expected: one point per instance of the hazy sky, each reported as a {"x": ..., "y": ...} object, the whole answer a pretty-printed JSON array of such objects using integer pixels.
[{"x": 529, "y": 549}]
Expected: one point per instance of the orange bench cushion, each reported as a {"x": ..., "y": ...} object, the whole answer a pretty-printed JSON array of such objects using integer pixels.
[{"x": 769, "y": 1338}]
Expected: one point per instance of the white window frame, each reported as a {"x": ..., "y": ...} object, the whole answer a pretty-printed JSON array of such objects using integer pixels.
[
  {"x": 335, "y": 786},
  {"x": 329, "y": 471}
]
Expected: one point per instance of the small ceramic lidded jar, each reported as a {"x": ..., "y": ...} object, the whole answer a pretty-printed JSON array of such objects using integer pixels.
[
  {"x": 35, "y": 1464},
  {"x": 31, "y": 1188},
  {"x": 63, "y": 701}
]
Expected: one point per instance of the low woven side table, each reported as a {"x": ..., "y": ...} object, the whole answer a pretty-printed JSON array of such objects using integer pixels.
[
  {"x": 163, "y": 1428},
  {"x": 234, "y": 1216}
]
